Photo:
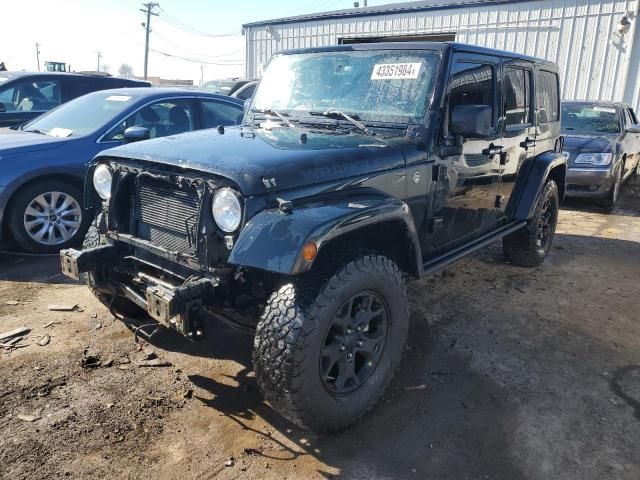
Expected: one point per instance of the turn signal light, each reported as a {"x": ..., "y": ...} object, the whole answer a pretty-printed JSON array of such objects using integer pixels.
[{"x": 309, "y": 251}]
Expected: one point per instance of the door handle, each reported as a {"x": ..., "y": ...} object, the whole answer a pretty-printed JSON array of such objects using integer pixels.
[
  {"x": 528, "y": 143},
  {"x": 492, "y": 150}
]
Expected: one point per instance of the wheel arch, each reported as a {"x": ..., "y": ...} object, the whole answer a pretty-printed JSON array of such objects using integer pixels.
[
  {"x": 549, "y": 165},
  {"x": 5, "y": 214},
  {"x": 273, "y": 240}
]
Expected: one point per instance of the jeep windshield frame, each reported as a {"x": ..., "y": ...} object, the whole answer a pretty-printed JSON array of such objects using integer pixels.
[{"x": 372, "y": 86}]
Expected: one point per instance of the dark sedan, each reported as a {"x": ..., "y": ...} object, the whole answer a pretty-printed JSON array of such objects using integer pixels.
[
  {"x": 27, "y": 95},
  {"x": 602, "y": 146},
  {"x": 43, "y": 164}
]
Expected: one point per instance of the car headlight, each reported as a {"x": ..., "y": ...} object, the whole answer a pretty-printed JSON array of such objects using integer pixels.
[
  {"x": 598, "y": 159},
  {"x": 226, "y": 209},
  {"x": 102, "y": 179}
]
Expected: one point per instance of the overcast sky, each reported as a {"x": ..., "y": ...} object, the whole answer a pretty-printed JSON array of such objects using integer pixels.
[{"x": 74, "y": 31}]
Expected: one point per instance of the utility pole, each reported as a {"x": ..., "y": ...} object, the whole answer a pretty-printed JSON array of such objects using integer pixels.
[
  {"x": 148, "y": 10},
  {"x": 99, "y": 56},
  {"x": 201, "y": 75},
  {"x": 38, "y": 54}
]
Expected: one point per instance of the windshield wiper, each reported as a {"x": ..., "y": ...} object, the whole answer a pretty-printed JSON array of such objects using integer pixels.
[
  {"x": 35, "y": 130},
  {"x": 353, "y": 119},
  {"x": 270, "y": 111}
]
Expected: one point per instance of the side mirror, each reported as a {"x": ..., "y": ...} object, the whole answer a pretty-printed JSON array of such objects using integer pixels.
[
  {"x": 472, "y": 121},
  {"x": 633, "y": 129},
  {"x": 3, "y": 109},
  {"x": 135, "y": 134}
]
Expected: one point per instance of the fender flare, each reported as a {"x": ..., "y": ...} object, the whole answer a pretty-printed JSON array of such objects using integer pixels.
[
  {"x": 530, "y": 185},
  {"x": 272, "y": 240}
]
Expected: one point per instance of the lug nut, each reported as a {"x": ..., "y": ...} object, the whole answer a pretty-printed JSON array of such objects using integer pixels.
[
  {"x": 359, "y": 328},
  {"x": 342, "y": 348},
  {"x": 349, "y": 356},
  {"x": 348, "y": 331},
  {"x": 360, "y": 343}
]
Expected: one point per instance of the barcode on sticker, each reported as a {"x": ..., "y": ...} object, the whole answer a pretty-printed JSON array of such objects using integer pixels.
[{"x": 395, "y": 71}]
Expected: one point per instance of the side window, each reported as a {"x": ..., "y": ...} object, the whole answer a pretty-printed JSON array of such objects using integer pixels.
[
  {"x": 471, "y": 84},
  {"x": 220, "y": 113},
  {"x": 29, "y": 96},
  {"x": 166, "y": 117},
  {"x": 548, "y": 97},
  {"x": 628, "y": 121},
  {"x": 246, "y": 93},
  {"x": 517, "y": 96},
  {"x": 77, "y": 88},
  {"x": 6, "y": 99}
]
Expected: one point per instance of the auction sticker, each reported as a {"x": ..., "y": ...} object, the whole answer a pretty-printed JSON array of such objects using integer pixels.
[
  {"x": 118, "y": 98},
  {"x": 604, "y": 109},
  {"x": 396, "y": 71}
]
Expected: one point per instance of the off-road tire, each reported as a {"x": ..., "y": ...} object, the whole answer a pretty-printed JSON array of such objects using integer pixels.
[
  {"x": 521, "y": 247},
  {"x": 22, "y": 200},
  {"x": 611, "y": 199},
  {"x": 292, "y": 331},
  {"x": 119, "y": 305}
]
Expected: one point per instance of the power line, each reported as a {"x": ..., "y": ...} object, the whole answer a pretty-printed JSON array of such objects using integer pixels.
[
  {"x": 196, "y": 60},
  {"x": 173, "y": 21},
  {"x": 197, "y": 53}
]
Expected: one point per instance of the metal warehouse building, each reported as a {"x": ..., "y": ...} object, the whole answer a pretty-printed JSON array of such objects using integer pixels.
[{"x": 595, "y": 42}]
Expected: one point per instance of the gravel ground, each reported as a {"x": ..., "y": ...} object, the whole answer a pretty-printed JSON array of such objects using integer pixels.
[{"x": 509, "y": 373}]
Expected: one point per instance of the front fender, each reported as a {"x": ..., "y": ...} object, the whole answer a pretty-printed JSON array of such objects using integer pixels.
[
  {"x": 272, "y": 240},
  {"x": 529, "y": 185}
]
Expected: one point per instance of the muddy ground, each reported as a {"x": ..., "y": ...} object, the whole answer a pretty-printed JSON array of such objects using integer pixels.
[{"x": 509, "y": 373}]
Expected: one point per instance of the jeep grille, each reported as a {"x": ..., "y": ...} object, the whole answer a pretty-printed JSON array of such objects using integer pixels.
[{"x": 166, "y": 215}]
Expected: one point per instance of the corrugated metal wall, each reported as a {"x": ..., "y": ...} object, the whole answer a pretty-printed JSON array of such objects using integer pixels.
[{"x": 579, "y": 35}]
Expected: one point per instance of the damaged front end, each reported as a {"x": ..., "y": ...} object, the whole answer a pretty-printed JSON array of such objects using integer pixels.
[{"x": 161, "y": 249}]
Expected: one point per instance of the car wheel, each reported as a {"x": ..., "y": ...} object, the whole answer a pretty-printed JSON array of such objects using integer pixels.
[
  {"x": 48, "y": 216},
  {"x": 612, "y": 197},
  {"x": 120, "y": 305},
  {"x": 325, "y": 351},
  {"x": 529, "y": 246}
]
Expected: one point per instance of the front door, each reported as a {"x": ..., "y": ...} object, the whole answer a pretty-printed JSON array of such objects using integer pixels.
[
  {"x": 518, "y": 128},
  {"x": 467, "y": 172}
]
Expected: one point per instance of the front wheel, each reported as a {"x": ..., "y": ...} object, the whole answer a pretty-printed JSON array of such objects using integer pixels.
[
  {"x": 48, "y": 216},
  {"x": 324, "y": 352},
  {"x": 119, "y": 305},
  {"x": 529, "y": 246},
  {"x": 611, "y": 199}
]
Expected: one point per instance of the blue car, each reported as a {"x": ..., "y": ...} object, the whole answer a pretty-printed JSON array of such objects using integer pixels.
[{"x": 43, "y": 163}]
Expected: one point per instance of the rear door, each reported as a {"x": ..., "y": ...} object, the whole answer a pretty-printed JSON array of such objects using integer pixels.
[{"x": 517, "y": 127}]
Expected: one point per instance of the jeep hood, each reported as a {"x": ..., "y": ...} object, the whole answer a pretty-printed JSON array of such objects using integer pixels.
[
  {"x": 280, "y": 157},
  {"x": 17, "y": 141}
]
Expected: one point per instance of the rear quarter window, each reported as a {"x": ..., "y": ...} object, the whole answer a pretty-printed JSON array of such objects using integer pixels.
[{"x": 547, "y": 96}]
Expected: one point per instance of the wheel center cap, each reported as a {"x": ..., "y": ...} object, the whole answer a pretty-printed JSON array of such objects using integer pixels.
[{"x": 53, "y": 217}]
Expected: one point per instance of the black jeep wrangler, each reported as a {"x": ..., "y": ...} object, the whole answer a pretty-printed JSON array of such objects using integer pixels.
[{"x": 356, "y": 168}]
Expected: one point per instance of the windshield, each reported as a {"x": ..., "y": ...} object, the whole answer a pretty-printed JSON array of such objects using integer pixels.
[
  {"x": 384, "y": 86},
  {"x": 223, "y": 87},
  {"x": 82, "y": 115},
  {"x": 590, "y": 118}
]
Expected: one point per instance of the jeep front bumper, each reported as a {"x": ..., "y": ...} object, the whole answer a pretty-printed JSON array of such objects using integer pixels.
[{"x": 177, "y": 307}]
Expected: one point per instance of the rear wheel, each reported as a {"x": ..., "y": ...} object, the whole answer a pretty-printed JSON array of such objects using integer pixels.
[
  {"x": 325, "y": 351},
  {"x": 529, "y": 246},
  {"x": 48, "y": 216}
]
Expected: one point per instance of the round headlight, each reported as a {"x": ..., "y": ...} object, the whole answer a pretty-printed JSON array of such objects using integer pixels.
[
  {"x": 226, "y": 209},
  {"x": 102, "y": 178}
]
